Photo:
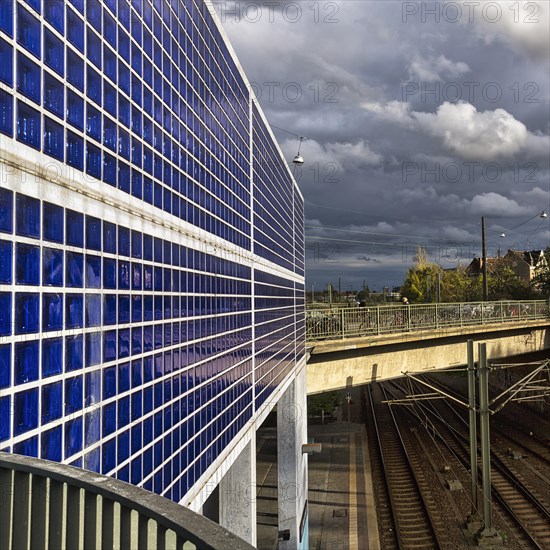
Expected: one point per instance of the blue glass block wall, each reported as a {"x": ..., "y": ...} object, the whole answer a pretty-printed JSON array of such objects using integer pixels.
[{"x": 126, "y": 326}]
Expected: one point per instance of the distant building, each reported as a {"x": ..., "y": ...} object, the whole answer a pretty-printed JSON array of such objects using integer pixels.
[{"x": 525, "y": 264}]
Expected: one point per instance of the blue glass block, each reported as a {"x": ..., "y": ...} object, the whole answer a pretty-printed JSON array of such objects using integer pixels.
[
  {"x": 123, "y": 176},
  {"x": 94, "y": 85},
  {"x": 27, "y": 216},
  {"x": 35, "y": 4},
  {"x": 109, "y": 64},
  {"x": 94, "y": 14},
  {"x": 26, "y": 362},
  {"x": 109, "y": 345},
  {"x": 109, "y": 380},
  {"x": 75, "y": 70},
  {"x": 136, "y": 59},
  {"x": 75, "y": 228},
  {"x": 5, "y": 313},
  {"x": 73, "y": 436},
  {"x": 123, "y": 241},
  {"x": 73, "y": 394},
  {"x": 93, "y": 348},
  {"x": 5, "y": 262},
  {"x": 52, "y": 312},
  {"x": 109, "y": 274},
  {"x": 54, "y": 52},
  {"x": 54, "y": 13},
  {"x": 109, "y": 99},
  {"x": 52, "y": 267},
  {"x": 52, "y": 229},
  {"x": 108, "y": 456},
  {"x": 6, "y": 17},
  {"x": 74, "y": 268},
  {"x": 27, "y": 264},
  {"x": 109, "y": 133},
  {"x": 75, "y": 30},
  {"x": 5, "y": 412},
  {"x": 123, "y": 77},
  {"x": 136, "y": 120},
  {"x": 123, "y": 343},
  {"x": 93, "y": 233},
  {"x": 135, "y": 468},
  {"x": 147, "y": 338},
  {"x": 6, "y": 211},
  {"x": 25, "y": 411},
  {"x": 109, "y": 28},
  {"x": 147, "y": 190},
  {"x": 50, "y": 441},
  {"x": 28, "y": 125},
  {"x": 123, "y": 275},
  {"x": 6, "y": 62},
  {"x": 92, "y": 426},
  {"x": 124, "y": 413},
  {"x": 5, "y": 365},
  {"x": 93, "y": 271},
  {"x": 123, "y": 308},
  {"x": 109, "y": 169},
  {"x": 93, "y": 310},
  {"x": 109, "y": 419},
  {"x": 53, "y": 95},
  {"x": 74, "y": 352},
  {"x": 93, "y": 122},
  {"x": 27, "y": 447},
  {"x": 136, "y": 276},
  {"x": 124, "y": 110},
  {"x": 123, "y": 377},
  {"x": 75, "y": 110},
  {"x": 123, "y": 448},
  {"x": 28, "y": 31},
  {"x": 158, "y": 315},
  {"x": 109, "y": 237},
  {"x": 6, "y": 115},
  {"x": 74, "y": 311},
  {"x": 137, "y": 377},
  {"x": 27, "y": 319},
  {"x": 54, "y": 144},
  {"x": 137, "y": 310},
  {"x": 92, "y": 460},
  {"x": 52, "y": 356},
  {"x": 147, "y": 247}
]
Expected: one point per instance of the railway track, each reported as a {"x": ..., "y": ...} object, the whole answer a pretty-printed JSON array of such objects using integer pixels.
[
  {"x": 528, "y": 511},
  {"x": 413, "y": 510}
]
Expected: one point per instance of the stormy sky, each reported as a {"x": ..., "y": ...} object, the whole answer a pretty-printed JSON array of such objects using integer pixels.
[{"x": 419, "y": 118}]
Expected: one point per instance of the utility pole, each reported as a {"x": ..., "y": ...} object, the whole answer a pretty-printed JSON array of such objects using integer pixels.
[{"x": 484, "y": 261}]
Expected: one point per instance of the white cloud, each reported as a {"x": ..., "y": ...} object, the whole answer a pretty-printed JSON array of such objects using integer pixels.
[
  {"x": 434, "y": 69},
  {"x": 473, "y": 134},
  {"x": 494, "y": 204},
  {"x": 523, "y": 25}
]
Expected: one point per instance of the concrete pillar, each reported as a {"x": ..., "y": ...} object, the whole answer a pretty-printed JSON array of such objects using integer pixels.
[
  {"x": 292, "y": 465},
  {"x": 237, "y": 495}
]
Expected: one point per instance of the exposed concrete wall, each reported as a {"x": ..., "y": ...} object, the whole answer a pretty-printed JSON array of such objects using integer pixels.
[{"x": 338, "y": 365}]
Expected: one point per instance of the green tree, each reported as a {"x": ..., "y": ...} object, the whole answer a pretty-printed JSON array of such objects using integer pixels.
[{"x": 542, "y": 279}]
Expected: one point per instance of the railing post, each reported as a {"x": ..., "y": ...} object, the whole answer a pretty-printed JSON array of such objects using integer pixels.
[
  {"x": 408, "y": 318},
  {"x": 501, "y": 313},
  {"x": 436, "y": 316},
  {"x": 482, "y": 304},
  {"x": 519, "y": 310},
  {"x": 342, "y": 323},
  {"x": 460, "y": 313},
  {"x": 377, "y": 319}
]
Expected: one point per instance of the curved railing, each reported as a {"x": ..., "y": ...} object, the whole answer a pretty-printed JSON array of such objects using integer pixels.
[
  {"x": 328, "y": 324},
  {"x": 49, "y": 505}
]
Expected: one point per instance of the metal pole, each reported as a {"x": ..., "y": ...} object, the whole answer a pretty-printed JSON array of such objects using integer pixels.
[
  {"x": 488, "y": 530},
  {"x": 484, "y": 260},
  {"x": 473, "y": 426}
]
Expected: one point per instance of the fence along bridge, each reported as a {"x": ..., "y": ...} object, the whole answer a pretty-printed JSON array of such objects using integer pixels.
[{"x": 352, "y": 346}]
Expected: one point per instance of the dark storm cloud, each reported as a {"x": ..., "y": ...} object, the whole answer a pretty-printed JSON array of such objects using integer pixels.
[{"x": 415, "y": 128}]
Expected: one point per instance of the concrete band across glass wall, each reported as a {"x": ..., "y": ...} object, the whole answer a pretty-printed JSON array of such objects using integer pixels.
[{"x": 151, "y": 241}]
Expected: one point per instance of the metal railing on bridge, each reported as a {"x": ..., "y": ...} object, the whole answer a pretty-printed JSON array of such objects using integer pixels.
[
  {"x": 49, "y": 505},
  {"x": 323, "y": 324}
]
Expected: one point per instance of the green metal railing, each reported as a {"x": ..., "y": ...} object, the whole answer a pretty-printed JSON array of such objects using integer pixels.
[
  {"x": 48, "y": 505},
  {"x": 323, "y": 324}
]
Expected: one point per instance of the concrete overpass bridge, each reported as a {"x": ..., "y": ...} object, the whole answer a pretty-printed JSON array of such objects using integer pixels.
[{"x": 354, "y": 346}]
